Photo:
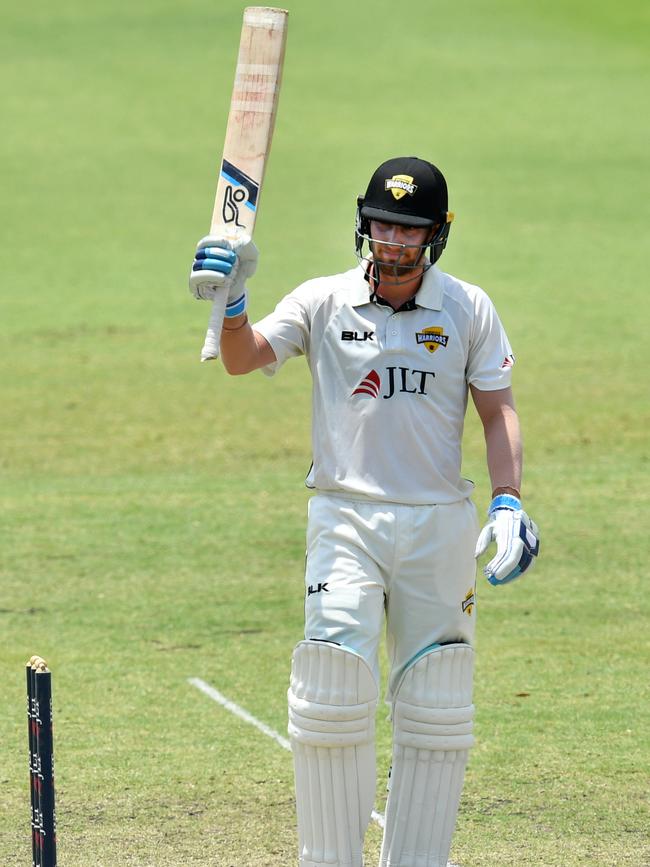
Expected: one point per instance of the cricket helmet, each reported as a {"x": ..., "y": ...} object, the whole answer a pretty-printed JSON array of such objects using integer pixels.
[{"x": 408, "y": 191}]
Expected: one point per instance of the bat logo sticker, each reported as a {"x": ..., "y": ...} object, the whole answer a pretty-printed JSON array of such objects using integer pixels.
[{"x": 231, "y": 201}]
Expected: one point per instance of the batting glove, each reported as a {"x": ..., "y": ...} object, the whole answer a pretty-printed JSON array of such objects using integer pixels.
[
  {"x": 517, "y": 539},
  {"x": 223, "y": 265}
]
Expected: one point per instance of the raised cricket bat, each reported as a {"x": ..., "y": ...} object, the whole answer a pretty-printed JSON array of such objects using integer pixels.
[{"x": 248, "y": 137}]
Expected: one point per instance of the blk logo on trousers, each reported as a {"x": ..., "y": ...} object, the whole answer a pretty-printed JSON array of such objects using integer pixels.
[{"x": 319, "y": 588}]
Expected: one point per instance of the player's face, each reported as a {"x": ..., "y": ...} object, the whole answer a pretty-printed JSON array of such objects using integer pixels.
[{"x": 396, "y": 247}]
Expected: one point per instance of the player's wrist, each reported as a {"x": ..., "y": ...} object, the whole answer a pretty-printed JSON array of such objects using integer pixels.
[
  {"x": 506, "y": 489},
  {"x": 235, "y": 323}
]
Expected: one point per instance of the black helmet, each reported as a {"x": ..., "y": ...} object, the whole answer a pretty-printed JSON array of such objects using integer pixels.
[{"x": 408, "y": 191}]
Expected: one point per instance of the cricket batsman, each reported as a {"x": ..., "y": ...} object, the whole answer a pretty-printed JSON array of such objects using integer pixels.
[{"x": 394, "y": 346}]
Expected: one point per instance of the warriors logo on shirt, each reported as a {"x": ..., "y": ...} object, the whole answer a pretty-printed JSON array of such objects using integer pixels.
[
  {"x": 469, "y": 602},
  {"x": 400, "y": 185},
  {"x": 432, "y": 337}
]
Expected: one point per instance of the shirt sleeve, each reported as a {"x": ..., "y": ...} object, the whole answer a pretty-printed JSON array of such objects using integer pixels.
[
  {"x": 490, "y": 358},
  {"x": 287, "y": 328}
]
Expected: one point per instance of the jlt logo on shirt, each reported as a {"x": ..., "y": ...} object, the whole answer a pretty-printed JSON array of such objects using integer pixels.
[{"x": 398, "y": 380}]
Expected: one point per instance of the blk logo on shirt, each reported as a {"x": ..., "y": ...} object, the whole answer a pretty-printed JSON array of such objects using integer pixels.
[
  {"x": 358, "y": 336},
  {"x": 398, "y": 380}
]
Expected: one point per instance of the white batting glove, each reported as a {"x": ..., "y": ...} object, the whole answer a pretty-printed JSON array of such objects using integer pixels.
[
  {"x": 517, "y": 539},
  {"x": 223, "y": 264}
]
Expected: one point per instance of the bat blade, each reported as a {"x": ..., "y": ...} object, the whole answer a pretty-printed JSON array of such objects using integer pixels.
[{"x": 251, "y": 120}]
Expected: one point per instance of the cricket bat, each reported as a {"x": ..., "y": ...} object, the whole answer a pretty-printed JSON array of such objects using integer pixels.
[{"x": 251, "y": 119}]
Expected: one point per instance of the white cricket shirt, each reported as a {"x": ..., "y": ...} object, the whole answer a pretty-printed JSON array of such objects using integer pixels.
[{"x": 390, "y": 388}]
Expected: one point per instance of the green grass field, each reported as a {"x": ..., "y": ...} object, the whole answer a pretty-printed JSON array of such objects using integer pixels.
[{"x": 152, "y": 509}]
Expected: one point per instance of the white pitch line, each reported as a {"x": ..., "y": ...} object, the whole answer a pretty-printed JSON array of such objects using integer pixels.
[
  {"x": 215, "y": 695},
  {"x": 221, "y": 699}
]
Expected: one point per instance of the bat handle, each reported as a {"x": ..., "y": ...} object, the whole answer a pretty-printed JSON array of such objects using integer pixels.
[{"x": 213, "y": 336}]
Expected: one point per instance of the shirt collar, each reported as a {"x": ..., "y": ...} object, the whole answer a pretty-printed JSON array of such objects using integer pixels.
[
  {"x": 429, "y": 294},
  {"x": 431, "y": 289}
]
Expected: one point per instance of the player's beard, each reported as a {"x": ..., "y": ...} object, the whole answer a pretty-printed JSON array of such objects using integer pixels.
[{"x": 403, "y": 267}]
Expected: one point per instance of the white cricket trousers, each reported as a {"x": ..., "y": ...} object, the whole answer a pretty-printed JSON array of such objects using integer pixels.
[{"x": 415, "y": 564}]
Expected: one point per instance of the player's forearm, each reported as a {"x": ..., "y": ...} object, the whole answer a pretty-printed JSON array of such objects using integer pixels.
[
  {"x": 243, "y": 349},
  {"x": 504, "y": 451}
]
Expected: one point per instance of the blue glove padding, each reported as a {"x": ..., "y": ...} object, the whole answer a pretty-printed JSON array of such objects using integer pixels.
[
  {"x": 517, "y": 539},
  {"x": 214, "y": 259}
]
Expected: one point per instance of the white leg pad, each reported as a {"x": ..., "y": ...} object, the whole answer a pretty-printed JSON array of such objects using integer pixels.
[
  {"x": 432, "y": 735},
  {"x": 332, "y": 702}
]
